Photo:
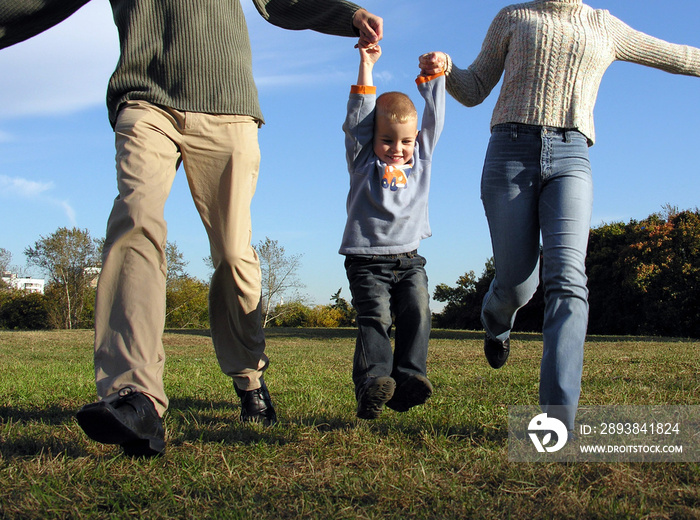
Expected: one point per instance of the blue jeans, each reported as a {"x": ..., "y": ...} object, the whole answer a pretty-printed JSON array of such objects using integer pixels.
[
  {"x": 386, "y": 290},
  {"x": 537, "y": 180}
]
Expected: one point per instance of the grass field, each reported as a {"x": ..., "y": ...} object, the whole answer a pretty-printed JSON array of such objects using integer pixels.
[{"x": 448, "y": 459}]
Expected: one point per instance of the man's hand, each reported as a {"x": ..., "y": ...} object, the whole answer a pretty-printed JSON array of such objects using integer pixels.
[
  {"x": 432, "y": 63},
  {"x": 371, "y": 27}
]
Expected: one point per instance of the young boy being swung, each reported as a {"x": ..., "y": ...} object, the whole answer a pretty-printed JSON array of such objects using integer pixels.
[{"x": 389, "y": 162}]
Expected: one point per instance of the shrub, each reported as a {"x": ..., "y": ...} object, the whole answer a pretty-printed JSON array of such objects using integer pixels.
[
  {"x": 292, "y": 314},
  {"x": 26, "y": 311}
]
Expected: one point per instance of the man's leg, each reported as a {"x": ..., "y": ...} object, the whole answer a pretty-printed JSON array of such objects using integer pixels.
[
  {"x": 221, "y": 158},
  {"x": 130, "y": 306}
]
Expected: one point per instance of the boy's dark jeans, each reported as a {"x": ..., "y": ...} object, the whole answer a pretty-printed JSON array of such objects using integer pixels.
[{"x": 386, "y": 286}]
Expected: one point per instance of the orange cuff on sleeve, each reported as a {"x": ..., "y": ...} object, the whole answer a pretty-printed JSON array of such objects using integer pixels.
[
  {"x": 363, "y": 89},
  {"x": 426, "y": 79}
]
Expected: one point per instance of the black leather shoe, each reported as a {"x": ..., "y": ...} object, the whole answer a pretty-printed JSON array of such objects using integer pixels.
[
  {"x": 373, "y": 395},
  {"x": 496, "y": 351},
  {"x": 413, "y": 391},
  {"x": 256, "y": 405},
  {"x": 127, "y": 418}
]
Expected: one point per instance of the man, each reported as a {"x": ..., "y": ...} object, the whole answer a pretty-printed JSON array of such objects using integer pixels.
[{"x": 182, "y": 92}]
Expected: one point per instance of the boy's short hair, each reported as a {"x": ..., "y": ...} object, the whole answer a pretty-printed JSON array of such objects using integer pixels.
[{"x": 397, "y": 107}]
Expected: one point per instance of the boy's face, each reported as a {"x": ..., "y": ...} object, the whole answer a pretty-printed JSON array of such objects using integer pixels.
[{"x": 394, "y": 142}]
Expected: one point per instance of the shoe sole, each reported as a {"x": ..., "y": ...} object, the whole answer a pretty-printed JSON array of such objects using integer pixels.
[
  {"x": 265, "y": 418},
  {"x": 372, "y": 401},
  {"x": 415, "y": 391},
  {"x": 100, "y": 424}
]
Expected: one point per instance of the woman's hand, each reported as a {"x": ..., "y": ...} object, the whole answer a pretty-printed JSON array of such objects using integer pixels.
[{"x": 432, "y": 63}]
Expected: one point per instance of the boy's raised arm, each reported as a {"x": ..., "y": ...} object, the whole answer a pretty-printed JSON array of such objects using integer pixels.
[
  {"x": 368, "y": 57},
  {"x": 432, "y": 89}
]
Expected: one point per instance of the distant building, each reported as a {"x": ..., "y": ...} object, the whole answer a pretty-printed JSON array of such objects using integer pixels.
[
  {"x": 93, "y": 274},
  {"x": 32, "y": 285}
]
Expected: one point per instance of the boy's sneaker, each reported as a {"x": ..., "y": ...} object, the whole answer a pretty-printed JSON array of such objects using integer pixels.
[
  {"x": 127, "y": 418},
  {"x": 372, "y": 396},
  {"x": 413, "y": 391},
  {"x": 256, "y": 405}
]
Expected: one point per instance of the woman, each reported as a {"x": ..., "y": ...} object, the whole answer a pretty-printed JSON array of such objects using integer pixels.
[{"x": 537, "y": 175}]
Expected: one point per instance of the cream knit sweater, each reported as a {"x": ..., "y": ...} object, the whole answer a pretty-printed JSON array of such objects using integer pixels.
[{"x": 554, "y": 54}]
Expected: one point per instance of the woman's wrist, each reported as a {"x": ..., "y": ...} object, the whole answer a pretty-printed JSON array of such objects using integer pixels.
[{"x": 448, "y": 64}]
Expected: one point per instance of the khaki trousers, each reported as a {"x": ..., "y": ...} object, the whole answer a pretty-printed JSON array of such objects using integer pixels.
[{"x": 221, "y": 158}]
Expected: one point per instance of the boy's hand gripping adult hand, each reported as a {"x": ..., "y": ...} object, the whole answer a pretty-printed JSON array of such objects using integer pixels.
[
  {"x": 432, "y": 63},
  {"x": 368, "y": 57}
]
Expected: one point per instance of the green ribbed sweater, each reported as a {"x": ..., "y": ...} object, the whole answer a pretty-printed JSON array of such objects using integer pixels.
[
  {"x": 554, "y": 54},
  {"x": 189, "y": 55}
]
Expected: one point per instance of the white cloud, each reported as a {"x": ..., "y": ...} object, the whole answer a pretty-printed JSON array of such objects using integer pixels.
[
  {"x": 38, "y": 192},
  {"x": 70, "y": 212},
  {"x": 18, "y": 187},
  {"x": 287, "y": 80},
  {"x": 383, "y": 76}
]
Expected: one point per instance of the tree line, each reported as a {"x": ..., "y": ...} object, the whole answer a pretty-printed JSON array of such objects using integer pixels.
[
  {"x": 643, "y": 279},
  {"x": 71, "y": 260}
]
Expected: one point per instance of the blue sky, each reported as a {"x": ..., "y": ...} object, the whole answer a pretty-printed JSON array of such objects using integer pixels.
[{"x": 57, "y": 152}]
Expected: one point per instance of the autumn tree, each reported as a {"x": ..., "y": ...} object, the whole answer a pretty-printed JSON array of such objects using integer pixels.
[
  {"x": 279, "y": 276},
  {"x": 644, "y": 276},
  {"x": 346, "y": 310},
  {"x": 187, "y": 304},
  {"x": 176, "y": 263},
  {"x": 186, "y": 297},
  {"x": 5, "y": 259},
  {"x": 463, "y": 302},
  {"x": 66, "y": 257}
]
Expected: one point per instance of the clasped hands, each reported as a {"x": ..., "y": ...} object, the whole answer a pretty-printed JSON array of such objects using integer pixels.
[{"x": 432, "y": 63}]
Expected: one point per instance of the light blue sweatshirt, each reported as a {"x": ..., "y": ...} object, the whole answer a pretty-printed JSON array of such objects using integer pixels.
[{"x": 388, "y": 210}]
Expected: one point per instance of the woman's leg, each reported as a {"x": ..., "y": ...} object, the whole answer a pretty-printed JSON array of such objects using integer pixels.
[
  {"x": 510, "y": 192},
  {"x": 565, "y": 214}
]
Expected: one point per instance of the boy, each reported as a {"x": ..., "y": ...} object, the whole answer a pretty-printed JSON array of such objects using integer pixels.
[{"x": 389, "y": 163}]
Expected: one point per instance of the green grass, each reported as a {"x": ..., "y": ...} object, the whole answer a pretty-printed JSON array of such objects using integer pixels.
[{"x": 447, "y": 459}]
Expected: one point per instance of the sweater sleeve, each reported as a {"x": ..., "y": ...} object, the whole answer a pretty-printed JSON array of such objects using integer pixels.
[
  {"x": 636, "y": 47},
  {"x": 359, "y": 126},
  {"x": 21, "y": 19},
  {"x": 472, "y": 85},
  {"x": 432, "y": 88},
  {"x": 325, "y": 16}
]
